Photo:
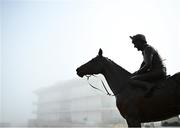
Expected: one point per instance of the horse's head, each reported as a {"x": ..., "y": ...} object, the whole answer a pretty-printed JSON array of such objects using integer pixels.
[{"x": 94, "y": 66}]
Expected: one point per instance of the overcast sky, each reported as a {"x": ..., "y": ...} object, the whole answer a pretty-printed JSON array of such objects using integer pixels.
[{"x": 44, "y": 41}]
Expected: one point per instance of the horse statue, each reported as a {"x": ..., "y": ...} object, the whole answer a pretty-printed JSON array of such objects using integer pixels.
[{"x": 163, "y": 103}]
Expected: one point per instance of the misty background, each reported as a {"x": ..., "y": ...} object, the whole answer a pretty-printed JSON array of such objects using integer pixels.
[{"x": 44, "y": 41}]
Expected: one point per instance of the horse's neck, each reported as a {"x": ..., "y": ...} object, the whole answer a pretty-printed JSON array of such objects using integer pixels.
[{"x": 116, "y": 77}]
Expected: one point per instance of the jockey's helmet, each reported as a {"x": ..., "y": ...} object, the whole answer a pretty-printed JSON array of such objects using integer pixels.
[{"x": 138, "y": 37}]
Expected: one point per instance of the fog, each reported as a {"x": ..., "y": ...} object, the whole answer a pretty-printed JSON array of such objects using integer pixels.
[{"x": 44, "y": 41}]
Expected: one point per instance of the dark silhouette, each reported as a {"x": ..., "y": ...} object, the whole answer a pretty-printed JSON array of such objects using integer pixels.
[
  {"x": 163, "y": 103},
  {"x": 152, "y": 68}
]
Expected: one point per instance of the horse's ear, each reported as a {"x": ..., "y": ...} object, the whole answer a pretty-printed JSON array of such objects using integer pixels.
[{"x": 100, "y": 52}]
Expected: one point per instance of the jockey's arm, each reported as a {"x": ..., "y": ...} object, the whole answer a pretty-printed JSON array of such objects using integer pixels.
[
  {"x": 136, "y": 72},
  {"x": 148, "y": 56}
]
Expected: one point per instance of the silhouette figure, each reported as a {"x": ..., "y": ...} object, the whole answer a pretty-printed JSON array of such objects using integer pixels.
[
  {"x": 164, "y": 102},
  {"x": 151, "y": 69}
]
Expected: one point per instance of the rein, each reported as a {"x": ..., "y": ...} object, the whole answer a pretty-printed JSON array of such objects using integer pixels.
[{"x": 107, "y": 92}]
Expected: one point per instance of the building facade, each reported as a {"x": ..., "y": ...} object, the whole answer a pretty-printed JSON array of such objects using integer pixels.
[{"x": 75, "y": 103}]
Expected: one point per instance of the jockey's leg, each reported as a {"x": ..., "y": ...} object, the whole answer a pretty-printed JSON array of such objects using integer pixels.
[
  {"x": 143, "y": 81},
  {"x": 152, "y": 76},
  {"x": 148, "y": 87}
]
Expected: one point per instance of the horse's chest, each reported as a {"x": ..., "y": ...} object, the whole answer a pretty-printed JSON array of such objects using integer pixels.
[
  {"x": 123, "y": 108},
  {"x": 127, "y": 107}
]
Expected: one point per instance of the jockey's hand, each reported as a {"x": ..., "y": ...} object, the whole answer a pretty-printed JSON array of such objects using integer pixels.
[
  {"x": 134, "y": 77},
  {"x": 135, "y": 73}
]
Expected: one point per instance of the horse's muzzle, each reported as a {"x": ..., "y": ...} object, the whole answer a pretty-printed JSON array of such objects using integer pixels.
[{"x": 79, "y": 73}]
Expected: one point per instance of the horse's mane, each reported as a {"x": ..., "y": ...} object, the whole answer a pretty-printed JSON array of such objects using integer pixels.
[{"x": 116, "y": 65}]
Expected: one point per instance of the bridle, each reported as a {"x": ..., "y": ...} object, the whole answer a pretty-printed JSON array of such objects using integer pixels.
[{"x": 107, "y": 92}]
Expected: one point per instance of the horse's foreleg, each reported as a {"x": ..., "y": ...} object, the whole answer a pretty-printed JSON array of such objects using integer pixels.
[{"x": 133, "y": 123}]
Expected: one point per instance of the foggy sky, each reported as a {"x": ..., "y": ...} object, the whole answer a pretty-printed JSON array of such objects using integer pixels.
[{"x": 44, "y": 41}]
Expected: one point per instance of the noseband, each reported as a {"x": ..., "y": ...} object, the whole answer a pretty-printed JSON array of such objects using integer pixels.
[{"x": 107, "y": 92}]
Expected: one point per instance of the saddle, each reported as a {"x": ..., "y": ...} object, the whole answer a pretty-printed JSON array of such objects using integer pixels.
[{"x": 168, "y": 80}]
